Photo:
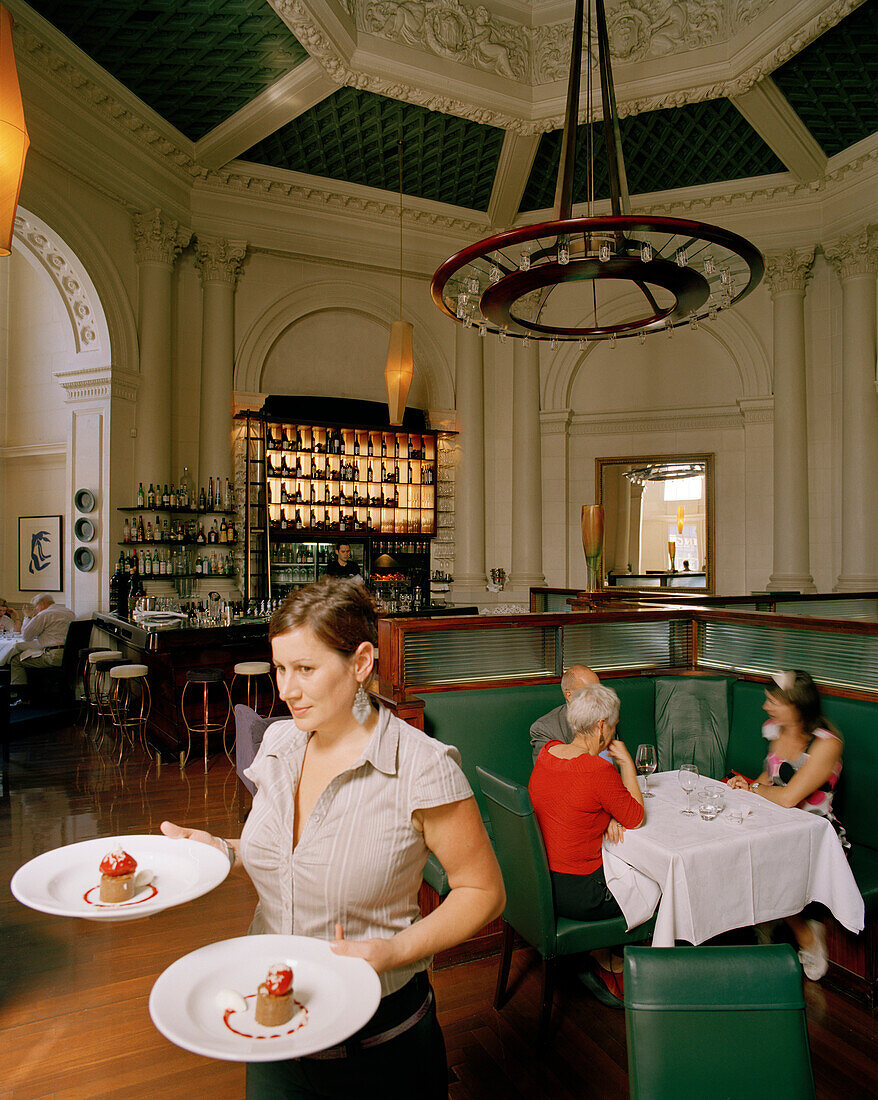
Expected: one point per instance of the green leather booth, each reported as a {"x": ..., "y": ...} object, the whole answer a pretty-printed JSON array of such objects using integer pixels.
[{"x": 490, "y": 727}]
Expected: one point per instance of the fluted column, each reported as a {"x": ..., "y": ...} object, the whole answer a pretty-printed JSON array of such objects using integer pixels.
[
  {"x": 787, "y": 274},
  {"x": 469, "y": 520},
  {"x": 527, "y": 483},
  {"x": 158, "y": 240},
  {"x": 621, "y": 561},
  {"x": 219, "y": 262},
  {"x": 855, "y": 259}
]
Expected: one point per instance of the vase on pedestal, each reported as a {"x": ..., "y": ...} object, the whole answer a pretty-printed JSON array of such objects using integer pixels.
[
  {"x": 672, "y": 553},
  {"x": 592, "y": 524}
]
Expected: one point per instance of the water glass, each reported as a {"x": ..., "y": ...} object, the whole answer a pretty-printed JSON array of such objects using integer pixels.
[
  {"x": 687, "y": 777},
  {"x": 711, "y": 802}
]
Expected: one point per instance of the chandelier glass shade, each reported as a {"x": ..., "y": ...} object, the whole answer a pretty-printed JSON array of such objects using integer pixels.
[{"x": 675, "y": 271}]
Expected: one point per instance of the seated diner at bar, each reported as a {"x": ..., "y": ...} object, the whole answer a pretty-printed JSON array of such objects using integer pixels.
[{"x": 435, "y": 440}]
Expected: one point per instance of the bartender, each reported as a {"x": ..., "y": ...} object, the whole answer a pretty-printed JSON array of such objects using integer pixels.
[{"x": 342, "y": 566}]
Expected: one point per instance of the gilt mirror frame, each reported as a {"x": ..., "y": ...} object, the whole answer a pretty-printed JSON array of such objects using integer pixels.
[{"x": 606, "y": 498}]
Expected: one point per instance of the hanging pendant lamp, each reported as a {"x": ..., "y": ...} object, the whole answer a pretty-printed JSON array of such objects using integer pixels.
[
  {"x": 400, "y": 367},
  {"x": 14, "y": 140},
  {"x": 681, "y": 271}
]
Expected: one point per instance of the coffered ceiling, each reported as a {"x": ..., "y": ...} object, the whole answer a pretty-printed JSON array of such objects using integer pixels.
[{"x": 709, "y": 90}]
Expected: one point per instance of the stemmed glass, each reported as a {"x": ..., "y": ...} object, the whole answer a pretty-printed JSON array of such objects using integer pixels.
[
  {"x": 646, "y": 763},
  {"x": 688, "y": 777}
]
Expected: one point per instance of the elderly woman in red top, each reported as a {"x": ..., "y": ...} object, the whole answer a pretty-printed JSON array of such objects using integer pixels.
[{"x": 576, "y": 795}]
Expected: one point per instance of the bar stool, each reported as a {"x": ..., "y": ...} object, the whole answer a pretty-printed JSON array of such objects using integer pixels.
[
  {"x": 83, "y": 669},
  {"x": 210, "y": 723},
  {"x": 100, "y": 664},
  {"x": 252, "y": 670},
  {"x": 130, "y": 703}
]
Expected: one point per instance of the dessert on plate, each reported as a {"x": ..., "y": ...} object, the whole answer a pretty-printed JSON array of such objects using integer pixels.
[
  {"x": 274, "y": 997},
  {"x": 117, "y": 876}
]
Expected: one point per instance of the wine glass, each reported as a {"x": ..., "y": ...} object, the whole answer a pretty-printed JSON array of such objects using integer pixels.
[
  {"x": 646, "y": 763},
  {"x": 688, "y": 776}
]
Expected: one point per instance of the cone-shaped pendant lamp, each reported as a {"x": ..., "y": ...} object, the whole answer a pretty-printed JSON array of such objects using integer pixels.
[
  {"x": 14, "y": 141},
  {"x": 400, "y": 367}
]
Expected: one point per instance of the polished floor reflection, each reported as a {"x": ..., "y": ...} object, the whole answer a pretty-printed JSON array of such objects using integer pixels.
[{"x": 74, "y": 1023}]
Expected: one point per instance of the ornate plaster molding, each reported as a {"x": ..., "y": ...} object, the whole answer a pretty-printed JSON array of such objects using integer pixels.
[
  {"x": 757, "y": 410},
  {"x": 97, "y": 383},
  {"x": 555, "y": 421},
  {"x": 789, "y": 270},
  {"x": 76, "y": 298},
  {"x": 59, "y": 70},
  {"x": 158, "y": 239},
  {"x": 671, "y": 420},
  {"x": 854, "y": 253},
  {"x": 219, "y": 260}
]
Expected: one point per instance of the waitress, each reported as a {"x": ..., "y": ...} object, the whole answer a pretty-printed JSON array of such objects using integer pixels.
[{"x": 349, "y": 801}]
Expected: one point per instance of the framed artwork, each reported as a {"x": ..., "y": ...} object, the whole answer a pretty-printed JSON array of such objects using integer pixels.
[{"x": 40, "y": 554}]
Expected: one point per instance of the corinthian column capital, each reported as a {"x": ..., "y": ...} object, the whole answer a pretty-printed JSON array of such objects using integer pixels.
[
  {"x": 157, "y": 238},
  {"x": 788, "y": 270},
  {"x": 854, "y": 253},
  {"x": 219, "y": 260}
]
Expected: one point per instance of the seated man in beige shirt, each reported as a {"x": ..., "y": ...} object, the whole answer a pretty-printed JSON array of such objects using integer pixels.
[{"x": 43, "y": 634}]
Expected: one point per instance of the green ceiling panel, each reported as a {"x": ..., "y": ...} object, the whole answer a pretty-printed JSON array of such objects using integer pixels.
[
  {"x": 353, "y": 136},
  {"x": 832, "y": 85},
  {"x": 195, "y": 62},
  {"x": 679, "y": 147}
]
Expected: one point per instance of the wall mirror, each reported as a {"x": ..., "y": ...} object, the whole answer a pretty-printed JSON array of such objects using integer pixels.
[{"x": 658, "y": 521}]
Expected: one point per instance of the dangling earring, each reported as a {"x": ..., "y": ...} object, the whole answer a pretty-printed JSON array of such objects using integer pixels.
[{"x": 362, "y": 708}]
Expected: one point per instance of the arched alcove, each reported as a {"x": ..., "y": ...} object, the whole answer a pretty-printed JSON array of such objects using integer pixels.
[
  {"x": 58, "y": 383},
  {"x": 334, "y": 336}
]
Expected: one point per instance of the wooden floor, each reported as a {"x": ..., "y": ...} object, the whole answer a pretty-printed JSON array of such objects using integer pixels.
[{"x": 74, "y": 1023}]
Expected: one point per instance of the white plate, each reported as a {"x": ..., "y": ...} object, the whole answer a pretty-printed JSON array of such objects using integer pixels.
[
  {"x": 60, "y": 881},
  {"x": 337, "y": 996}
]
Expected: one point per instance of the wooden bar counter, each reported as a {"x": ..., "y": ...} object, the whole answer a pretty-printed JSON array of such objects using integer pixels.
[{"x": 170, "y": 651}]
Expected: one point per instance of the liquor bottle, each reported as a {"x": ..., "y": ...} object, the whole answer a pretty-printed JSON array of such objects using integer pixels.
[
  {"x": 223, "y": 531},
  {"x": 218, "y": 496},
  {"x": 140, "y": 532},
  {"x": 383, "y": 472},
  {"x": 370, "y": 450},
  {"x": 313, "y": 494},
  {"x": 313, "y": 469},
  {"x": 383, "y": 446},
  {"x": 149, "y": 536},
  {"x": 141, "y": 496},
  {"x": 150, "y": 497},
  {"x": 411, "y": 473},
  {"x": 396, "y": 446},
  {"x": 313, "y": 519},
  {"x": 369, "y": 472},
  {"x": 298, "y": 466},
  {"x": 298, "y": 493},
  {"x": 126, "y": 531},
  {"x": 200, "y": 537},
  {"x": 166, "y": 498},
  {"x": 356, "y": 444},
  {"x": 297, "y": 523},
  {"x": 327, "y": 523},
  {"x": 396, "y": 473},
  {"x": 326, "y": 495},
  {"x": 298, "y": 443}
]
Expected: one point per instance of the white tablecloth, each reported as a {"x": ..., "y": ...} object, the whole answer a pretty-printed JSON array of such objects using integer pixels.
[
  {"x": 7, "y": 647},
  {"x": 717, "y": 875}
]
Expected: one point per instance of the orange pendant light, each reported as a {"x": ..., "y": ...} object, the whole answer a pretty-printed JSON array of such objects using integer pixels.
[
  {"x": 14, "y": 141},
  {"x": 399, "y": 369},
  {"x": 680, "y": 517}
]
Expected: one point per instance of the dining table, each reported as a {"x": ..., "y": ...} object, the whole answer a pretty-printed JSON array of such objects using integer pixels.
[
  {"x": 7, "y": 647},
  {"x": 705, "y": 877}
]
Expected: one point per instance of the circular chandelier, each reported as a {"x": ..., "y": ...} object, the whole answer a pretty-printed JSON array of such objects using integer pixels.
[{"x": 681, "y": 271}]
